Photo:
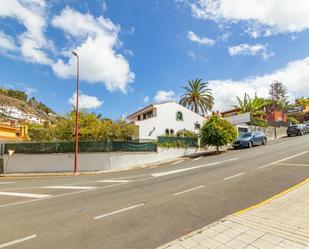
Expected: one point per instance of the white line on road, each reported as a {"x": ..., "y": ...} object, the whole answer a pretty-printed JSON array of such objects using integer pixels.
[
  {"x": 17, "y": 241},
  {"x": 118, "y": 211},
  {"x": 2, "y": 183},
  {"x": 71, "y": 193},
  {"x": 198, "y": 158},
  {"x": 177, "y": 162},
  {"x": 294, "y": 164},
  {"x": 191, "y": 168},
  {"x": 189, "y": 190},
  {"x": 233, "y": 176},
  {"x": 112, "y": 181},
  {"x": 38, "y": 196},
  {"x": 70, "y": 187},
  {"x": 284, "y": 159}
]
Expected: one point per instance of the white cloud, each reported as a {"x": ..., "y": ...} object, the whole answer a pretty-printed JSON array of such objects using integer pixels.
[
  {"x": 247, "y": 49},
  {"x": 31, "y": 14},
  {"x": 99, "y": 60},
  {"x": 295, "y": 75},
  {"x": 200, "y": 40},
  {"x": 7, "y": 42},
  {"x": 86, "y": 101},
  {"x": 271, "y": 16},
  {"x": 146, "y": 99},
  {"x": 164, "y": 96}
]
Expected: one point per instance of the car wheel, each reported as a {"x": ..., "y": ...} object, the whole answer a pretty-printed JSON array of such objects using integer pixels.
[
  {"x": 250, "y": 144},
  {"x": 264, "y": 141},
  {"x": 289, "y": 135}
]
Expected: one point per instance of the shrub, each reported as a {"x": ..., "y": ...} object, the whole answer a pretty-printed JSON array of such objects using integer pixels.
[
  {"x": 217, "y": 132},
  {"x": 292, "y": 120}
]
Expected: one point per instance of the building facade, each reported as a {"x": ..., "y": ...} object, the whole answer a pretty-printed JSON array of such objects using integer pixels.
[{"x": 165, "y": 119}]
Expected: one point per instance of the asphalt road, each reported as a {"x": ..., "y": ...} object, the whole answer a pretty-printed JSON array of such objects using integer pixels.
[{"x": 145, "y": 208}]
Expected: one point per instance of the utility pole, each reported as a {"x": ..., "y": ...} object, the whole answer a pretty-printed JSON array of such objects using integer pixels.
[{"x": 76, "y": 115}]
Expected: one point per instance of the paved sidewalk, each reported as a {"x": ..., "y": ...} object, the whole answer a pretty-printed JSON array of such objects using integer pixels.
[{"x": 281, "y": 222}]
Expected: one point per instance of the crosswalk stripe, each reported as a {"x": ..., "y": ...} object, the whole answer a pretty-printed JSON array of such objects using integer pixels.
[
  {"x": 70, "y": 187},
  {"x": 39, "y": 196}
]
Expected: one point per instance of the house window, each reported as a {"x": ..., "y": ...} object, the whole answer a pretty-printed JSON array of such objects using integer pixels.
[
  {"x": 139, "y": 117},
  {"x": 179, "y": 116},
  {"x": 171, "y": 132},
  {"x": 167, "y": 132},
  {"x": 197, "y": 126}
]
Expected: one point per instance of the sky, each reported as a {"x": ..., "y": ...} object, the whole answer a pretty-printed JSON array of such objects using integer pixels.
[{"x": 136, "y": 52}]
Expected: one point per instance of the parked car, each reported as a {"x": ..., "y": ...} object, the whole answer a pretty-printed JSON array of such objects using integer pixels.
[
  {"x": 298, "y": 129},
  {"x": 250, "y": 139}
]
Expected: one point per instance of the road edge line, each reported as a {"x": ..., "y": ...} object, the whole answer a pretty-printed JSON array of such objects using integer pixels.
[{"x": 271, "y": 198}]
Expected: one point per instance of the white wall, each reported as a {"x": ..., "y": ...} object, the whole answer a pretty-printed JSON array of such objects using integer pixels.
[
  {"x": 43, "y": 163},
  {"x": 166, "y": 119}
]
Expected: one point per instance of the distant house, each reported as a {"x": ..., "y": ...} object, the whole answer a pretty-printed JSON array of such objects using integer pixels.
[
  {"x": 13, "y": 133},
  {"x": 165, "y": 119}
]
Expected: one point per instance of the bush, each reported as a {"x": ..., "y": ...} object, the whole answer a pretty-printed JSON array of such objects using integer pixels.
[
  {"x": 173, "y": 144},
  {"x": 217, "y": 132},
  {"x": 186, "y": 133},
  {"x": 292, "y": 120},
  {"x": 91, "y": 128},
  {"x": 259, "y": 122}
]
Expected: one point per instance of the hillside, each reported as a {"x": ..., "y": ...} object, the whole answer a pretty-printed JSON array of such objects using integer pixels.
[{"x": 20, "y": 100}]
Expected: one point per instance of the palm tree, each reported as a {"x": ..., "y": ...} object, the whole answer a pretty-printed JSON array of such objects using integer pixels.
[{"x": 197, "y": 96}]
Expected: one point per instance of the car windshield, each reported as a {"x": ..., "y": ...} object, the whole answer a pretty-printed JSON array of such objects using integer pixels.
[{"x": 249, "y": 134}]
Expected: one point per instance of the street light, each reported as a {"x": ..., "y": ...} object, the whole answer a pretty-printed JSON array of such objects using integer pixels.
[{"x": 76, "y": 114}]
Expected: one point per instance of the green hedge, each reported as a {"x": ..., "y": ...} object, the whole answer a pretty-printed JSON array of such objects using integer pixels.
[
  {"x": 69, "y": 147},
  {"x": 189, "y": 141}
]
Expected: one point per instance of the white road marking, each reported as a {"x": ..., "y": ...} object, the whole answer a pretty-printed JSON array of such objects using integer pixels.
[
  {"x": 112, "y": 181},
  {"x": 70, "y": 187},
  {"x": 118, "y": 211},
  {"x": 198, "y": 158},
  {"x": 2, "y": 183},
  {"x": 71, "y": 193},
  {"x": 233, "y": 176},
  {"x": 284, "y": 159},
  {"x": 177, "y": 162},
  {"x": 17, "y": 241},
  {"x": 294, "y": 164},
  {"x": 188, "y": 190},
  {"x": 38, "y": 196},
  {"x": 191, "y": 168}
]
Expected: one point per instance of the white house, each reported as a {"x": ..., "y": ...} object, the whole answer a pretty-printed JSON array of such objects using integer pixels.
[{"x": 165, "y": 119}]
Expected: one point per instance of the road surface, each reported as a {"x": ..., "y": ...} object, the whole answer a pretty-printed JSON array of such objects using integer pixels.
[{"x": 145, "y": 208}]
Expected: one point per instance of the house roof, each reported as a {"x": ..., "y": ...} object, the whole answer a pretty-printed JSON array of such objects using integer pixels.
[
  {"x": 231, "y": 111},
  {"x": 148, "y": 107}
]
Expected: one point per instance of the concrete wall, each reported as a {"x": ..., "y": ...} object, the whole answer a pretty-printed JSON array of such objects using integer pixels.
[
  {"x": 269, "y": 131},
  {"x": 166, "y": 119},
  {"x": 41, "y": 163}
]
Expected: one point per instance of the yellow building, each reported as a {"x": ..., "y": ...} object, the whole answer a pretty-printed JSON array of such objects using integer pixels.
[{"x": 13, "y": 133}]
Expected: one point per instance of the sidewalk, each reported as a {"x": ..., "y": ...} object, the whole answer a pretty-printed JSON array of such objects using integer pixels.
[{"x": 281, "y": 222}]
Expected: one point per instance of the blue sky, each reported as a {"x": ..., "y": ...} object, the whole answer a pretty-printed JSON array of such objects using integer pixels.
[{"x": 135, "y": 52}]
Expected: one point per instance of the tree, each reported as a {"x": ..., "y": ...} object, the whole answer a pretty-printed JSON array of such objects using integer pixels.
[
  {"x": 91, "y": 128},
  {"x": 279, "y": 95},
  {"x": 198, "y": 97},
  {"x": 292, "y": 120},
  {"x": 217, "y": 132},
  {"x": 253, "y": 106}
]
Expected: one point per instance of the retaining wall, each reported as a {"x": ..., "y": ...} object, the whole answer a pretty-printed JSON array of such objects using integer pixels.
[{"x": 46, "y": 163}]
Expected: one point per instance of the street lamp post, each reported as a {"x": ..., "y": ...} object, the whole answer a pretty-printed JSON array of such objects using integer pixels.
[{"x": 76, "y": 115}]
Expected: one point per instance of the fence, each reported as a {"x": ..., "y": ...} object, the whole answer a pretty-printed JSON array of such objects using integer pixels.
[
  {"x": 69, "y": 147},
  {"x": 189, "y": 141}
]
